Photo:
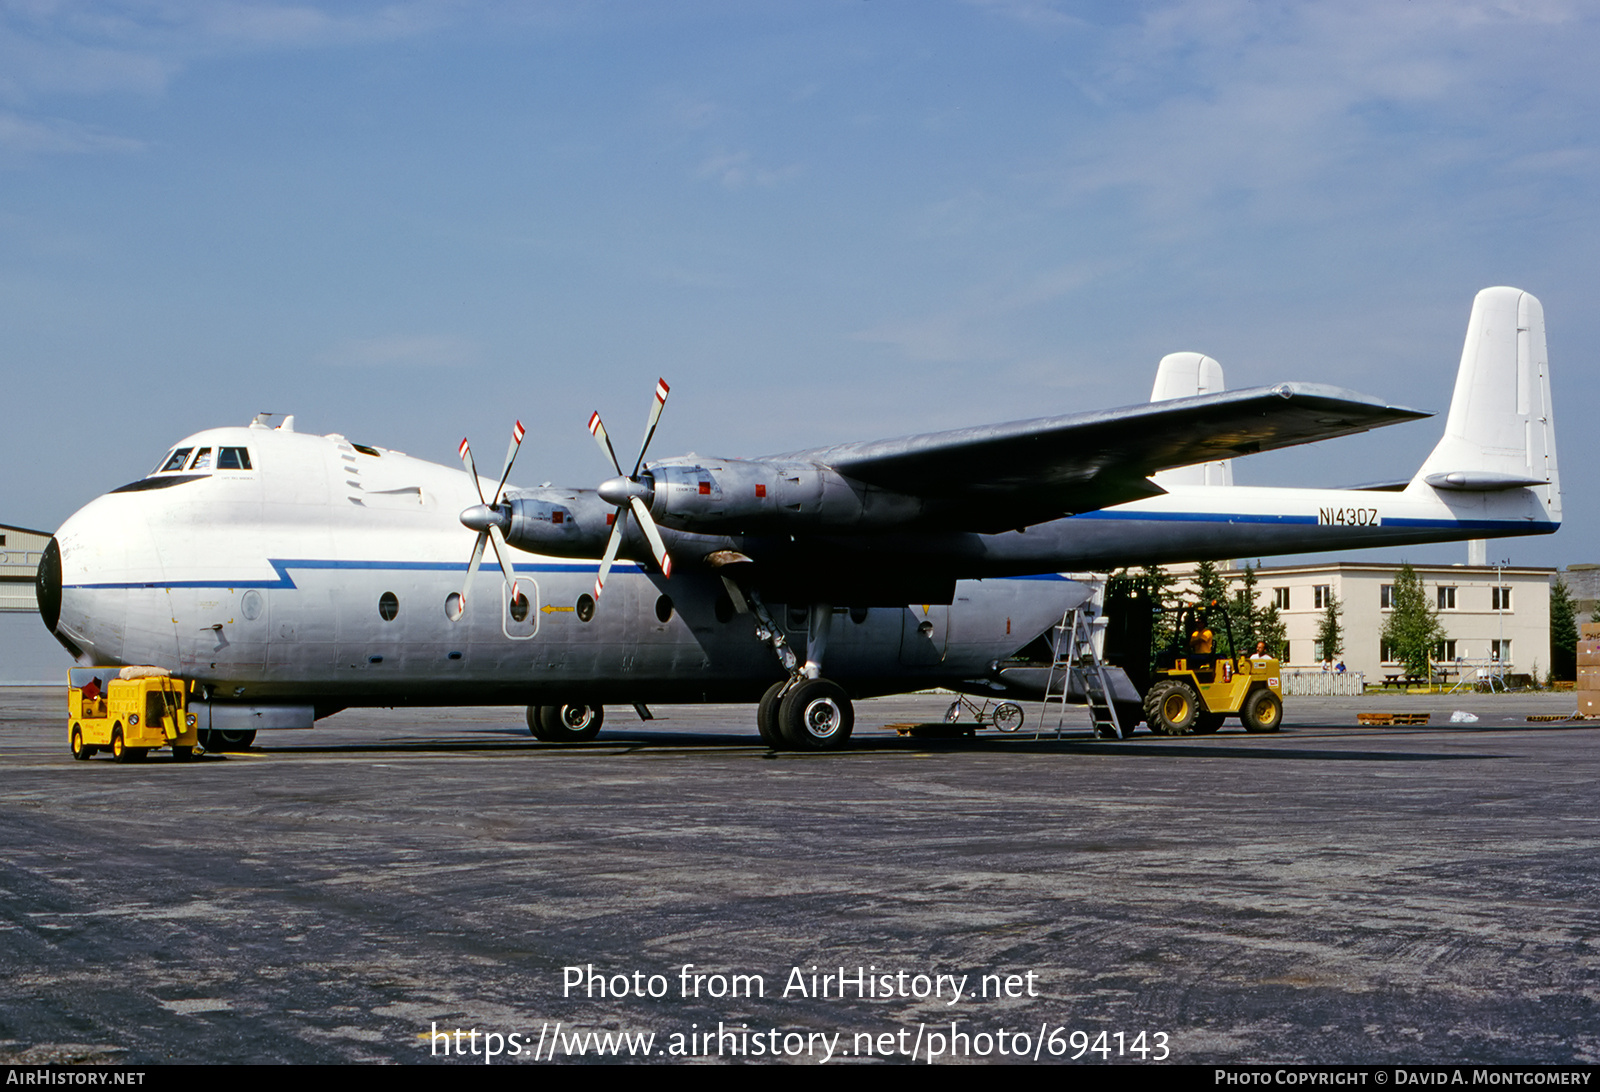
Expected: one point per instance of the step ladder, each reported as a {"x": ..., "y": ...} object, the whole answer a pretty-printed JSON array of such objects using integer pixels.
[{"x": 1073, "y": 649}]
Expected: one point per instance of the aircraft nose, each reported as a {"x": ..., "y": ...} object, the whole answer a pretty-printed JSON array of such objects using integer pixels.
[
  {"x": 47, "y": 590},
  {"x": 47, "y": 585}
]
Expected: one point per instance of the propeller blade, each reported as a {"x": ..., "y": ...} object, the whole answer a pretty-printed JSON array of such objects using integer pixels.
[
  {"x": 472, "y": 569},
  {"x": 599, "y": 432},
  {"x": 653, "y": 535},
  {"x": 613, "y": 544},
  {"x": 517, "y": 432},
  {"x": 650, "y": 426},
  {"x": 496, "y": 539},
  {"x": 472, "y": 468}
]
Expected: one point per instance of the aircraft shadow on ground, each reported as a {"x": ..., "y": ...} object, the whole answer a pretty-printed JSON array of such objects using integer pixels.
[{"x": 645, "y": 742}]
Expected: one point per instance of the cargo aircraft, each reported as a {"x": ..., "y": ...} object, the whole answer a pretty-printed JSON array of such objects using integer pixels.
[{"x": 287, "y": 576}]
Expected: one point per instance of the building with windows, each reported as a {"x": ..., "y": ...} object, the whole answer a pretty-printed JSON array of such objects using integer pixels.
[
  {"x": 1496, "y": 618},
  {"x": 28, "y": 654}
]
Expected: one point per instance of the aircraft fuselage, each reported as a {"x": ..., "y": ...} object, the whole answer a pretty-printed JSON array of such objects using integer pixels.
[{"x": 323, "y": 573}]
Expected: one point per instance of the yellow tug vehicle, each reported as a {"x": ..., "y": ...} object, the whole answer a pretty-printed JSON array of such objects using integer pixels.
[{"x": 129, "y": 711}]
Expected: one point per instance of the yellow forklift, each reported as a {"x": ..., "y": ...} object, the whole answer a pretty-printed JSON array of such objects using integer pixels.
[
  {"x": 129, "y": 711},
  {"x": 1193, "y": 689}
]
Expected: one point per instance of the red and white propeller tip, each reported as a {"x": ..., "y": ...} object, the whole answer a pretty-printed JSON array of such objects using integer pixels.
[
  {"x": 483, "y": 518},
  {"x": 628, "y": 493}
]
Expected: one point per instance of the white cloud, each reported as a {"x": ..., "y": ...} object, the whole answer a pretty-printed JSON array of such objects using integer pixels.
[
  {"x": 52, "y": 47},
  {"x": 54, "y": 136},
  {"x": 735, "y": 170}
]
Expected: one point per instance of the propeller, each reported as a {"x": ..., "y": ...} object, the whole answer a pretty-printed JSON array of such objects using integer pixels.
[
  {"x": 630, "y": 494},
  {"x": 488, "y": 518}
]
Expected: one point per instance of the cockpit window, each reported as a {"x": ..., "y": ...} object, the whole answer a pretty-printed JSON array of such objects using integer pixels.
[
  {"x": 233, "y": 458},
  {"x": 176, "y": 460},
  {"x": 202, "y": 459}
]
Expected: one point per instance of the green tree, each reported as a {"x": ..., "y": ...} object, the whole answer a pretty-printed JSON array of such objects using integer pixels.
[
  {"x": 1245, "y": 612},
  {"x": 1563, "y": 632},
  {"x": 1330, "y": 630},
  {"x": 1271, "y": 629},
  {"x": 1412, "y": 628},
  {"x": 1211, "y": 592}
]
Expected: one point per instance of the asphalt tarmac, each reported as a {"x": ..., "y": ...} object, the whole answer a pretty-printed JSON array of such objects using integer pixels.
[{"x": 360, "y": 892}]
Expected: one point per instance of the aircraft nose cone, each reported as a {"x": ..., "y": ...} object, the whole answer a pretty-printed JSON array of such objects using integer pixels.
[
  {"x": 47, "y": 586},
  {"x": 480, "y": 517}
]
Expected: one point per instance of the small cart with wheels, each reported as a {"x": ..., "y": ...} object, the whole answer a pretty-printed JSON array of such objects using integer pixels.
[{"x": 128, "y": 711}]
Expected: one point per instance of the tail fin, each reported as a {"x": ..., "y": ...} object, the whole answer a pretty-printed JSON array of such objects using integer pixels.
[
  {"x": 1500, "y": 434},
  {"x": 1184, "y": 375}
]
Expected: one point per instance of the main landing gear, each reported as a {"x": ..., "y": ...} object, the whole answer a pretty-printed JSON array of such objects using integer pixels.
[
  {"x": 571, "y": 723},
  {"x": 805, "y": 715},
  {"x": 804, "y": 712}
]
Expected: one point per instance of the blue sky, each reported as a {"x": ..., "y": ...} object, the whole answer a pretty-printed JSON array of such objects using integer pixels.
[{"x": 821, "y": 221}]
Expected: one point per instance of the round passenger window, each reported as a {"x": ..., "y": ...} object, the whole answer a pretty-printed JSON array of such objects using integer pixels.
[
  {"x": 519, "y": 608},
  {"x": 858, "y": 615},
  {"x": 664, "y": 609},
  {"x": 453, "y": 606},
  {"x": 388, "y": 606},
  {"x": 585, "y": 607},
  {"x": 251, "y": 604}
]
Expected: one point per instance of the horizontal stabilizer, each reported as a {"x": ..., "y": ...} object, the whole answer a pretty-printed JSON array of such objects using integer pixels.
[{"x": 1480, "y": 481}]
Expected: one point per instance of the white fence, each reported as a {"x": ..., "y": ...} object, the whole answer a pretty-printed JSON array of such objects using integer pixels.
[{"x": 1323, "y": 684}]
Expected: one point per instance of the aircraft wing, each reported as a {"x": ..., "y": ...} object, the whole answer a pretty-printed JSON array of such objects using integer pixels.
[{"x": 1005, "y": 476}]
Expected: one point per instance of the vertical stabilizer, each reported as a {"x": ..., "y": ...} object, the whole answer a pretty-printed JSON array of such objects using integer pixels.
[
  {"x": 1500, "y": 435},
  {"x": 1184, "y": 375}
]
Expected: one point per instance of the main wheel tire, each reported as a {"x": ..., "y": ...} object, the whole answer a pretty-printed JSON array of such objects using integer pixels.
[
  {"x": 1206, "y": 724},
  {"x": 816, "y": 716},
  {"x": 1129, "y": 714},
  {"x": 1172, "y": 707},
  {"x": 767, "y": 717},
  {"x": 80, "y": 749},
  {"x": 536, "y": 723},
  {"x": 215, "y": 739},
  {"x": 1007, "y": 716},
  {"x": 1262, "y": 712},
  {"x": 571, "y": 723}
]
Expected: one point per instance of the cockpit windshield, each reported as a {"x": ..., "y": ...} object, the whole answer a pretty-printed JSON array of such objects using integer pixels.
[
  {"x": 175, "y": 461},
  {"x": 225, "y": 458}
]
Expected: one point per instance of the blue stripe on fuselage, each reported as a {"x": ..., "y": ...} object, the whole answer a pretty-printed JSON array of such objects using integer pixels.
[
  {"x": 1518, "y": 526},
  {"x": 284, "y": 580}
]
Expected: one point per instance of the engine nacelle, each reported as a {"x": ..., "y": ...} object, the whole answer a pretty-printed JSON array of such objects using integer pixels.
[
  {"x": 733, "y": 496},
  {"x": 559, "y": 522}
]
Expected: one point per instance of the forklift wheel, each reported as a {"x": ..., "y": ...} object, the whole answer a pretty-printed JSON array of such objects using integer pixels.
[
  {"x": 1262, "y": 712},
  {"x": 1171, "y": 708}
]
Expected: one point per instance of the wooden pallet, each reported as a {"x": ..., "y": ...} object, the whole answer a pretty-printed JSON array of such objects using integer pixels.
[
  {"x": 1379, "y": 720},
  {"x": 935, "y": 731}
]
